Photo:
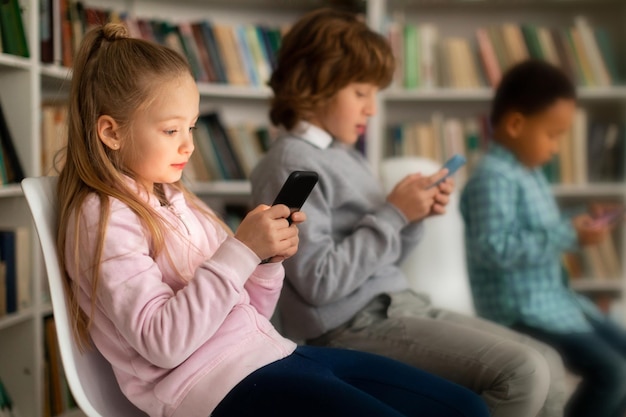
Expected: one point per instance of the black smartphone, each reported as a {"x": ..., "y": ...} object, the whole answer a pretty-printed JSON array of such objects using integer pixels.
[{"x": 296, "y": 190}]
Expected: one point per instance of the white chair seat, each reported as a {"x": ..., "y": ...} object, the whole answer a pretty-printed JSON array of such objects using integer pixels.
[{"x": 437, "y": 266}]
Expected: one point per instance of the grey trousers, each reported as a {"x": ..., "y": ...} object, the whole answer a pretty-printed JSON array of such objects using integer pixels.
[{"x": 516, "y": 375}]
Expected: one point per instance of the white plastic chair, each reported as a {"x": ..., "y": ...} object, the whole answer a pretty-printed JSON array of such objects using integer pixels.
[
  {"x": 437, "y": 266},
  {"x": 89, "y": 376}
]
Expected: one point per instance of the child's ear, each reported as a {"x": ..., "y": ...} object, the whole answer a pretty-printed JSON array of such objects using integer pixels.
[
  {"x": 514, "y": 124},
  {"x": 108, "y": 132}
]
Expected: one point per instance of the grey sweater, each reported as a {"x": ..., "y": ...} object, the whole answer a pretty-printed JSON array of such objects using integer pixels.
[{"x": 351, "y": 243}]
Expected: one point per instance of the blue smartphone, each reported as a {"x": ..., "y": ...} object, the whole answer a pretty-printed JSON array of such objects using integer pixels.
[{"x": 453, "y": 164}]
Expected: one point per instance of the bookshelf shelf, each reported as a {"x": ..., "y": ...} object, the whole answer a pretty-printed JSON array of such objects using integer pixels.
[
  {"x": 485, "y": 94},
  {"x": 11, "y": 61},
  {"x": 438, "y": 94},
  {"x": 55, "y": 72},
  {"x": 592, "y": 190},
  {"x": 231, "y": 91},
  {"x": 592, "y": 284},
  {"x": 16, "y": 318},
  {"x": 221, "y": 188},
  {"x": 11, "y": 190}
]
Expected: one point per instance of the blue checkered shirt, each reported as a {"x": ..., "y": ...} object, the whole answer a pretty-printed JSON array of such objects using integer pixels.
[{"x": 515, "y": 237}]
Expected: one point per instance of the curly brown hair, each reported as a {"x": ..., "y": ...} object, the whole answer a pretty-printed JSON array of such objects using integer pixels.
[{"x": 323, "y": 52}]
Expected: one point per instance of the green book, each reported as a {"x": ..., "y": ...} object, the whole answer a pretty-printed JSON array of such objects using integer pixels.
[
  {"x": 608, "y": 53},
  {"x": 12, "y": 29},
  {"x": 411, "y": 56},
  {"x": 532, "y": 41}
]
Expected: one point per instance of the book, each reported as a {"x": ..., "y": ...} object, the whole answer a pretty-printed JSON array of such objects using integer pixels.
[
  {"x": 599, "y": 71},
  {"x": 395, "y": 37},
  {"x": 531, "y": 39},
  {"x": 223, "y": 146},
  {"x": 14, "y": 253},
  {"x": 259, "y": 54},
  {"x": 488, "y": 57},
  {"x": 214, "y": 52},
  {"x": 582, "y": 58},
  {"x": 65, "y": 23},
  {"x": 6, "y": 403},
  {"x": 192, "y": 51},
  {"x": 231, "y": 57},
  {"x": 13, "y": 167},
  {"x": 546, "y": 41},
  {"x": 53, "y": 357},
  {"x": 607, "y": 52},
  {"x": 579, "y": 146},
  {"x": 12, "y": 29},
  {"x": 411, "y": 56},
  {"x": 514, "y": 41},
  {"x": 203, "y": 51},
  {"x": 46, "y": 32},
  {"x": 429, "y": 36},
  {"x": 53, "y": 137},
  {"x": 245, "y": 55},
  {"x": 3, "y": 288}
]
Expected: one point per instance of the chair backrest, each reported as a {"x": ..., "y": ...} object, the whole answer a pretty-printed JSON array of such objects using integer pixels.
[
  {"x": 437, "y": 266},
  {"x": 89, "y": 376}
]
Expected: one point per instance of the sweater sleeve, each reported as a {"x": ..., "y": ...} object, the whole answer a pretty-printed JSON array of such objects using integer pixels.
[
  {"x": 163, "y": 326},
  {"x": 327, "y": 268},
  {"x": 495, "y": 237},
  {"x": 264, "y": 287}
]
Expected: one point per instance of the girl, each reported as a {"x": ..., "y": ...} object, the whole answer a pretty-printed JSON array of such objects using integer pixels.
[
  {"x": 345, "y": 287},
  {"x": 177, "y": 304}
]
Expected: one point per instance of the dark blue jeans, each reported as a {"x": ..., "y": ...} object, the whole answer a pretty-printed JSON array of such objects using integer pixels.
[
  {"x": 599, "y": 357},
  {"x": 326, "y": 382}
]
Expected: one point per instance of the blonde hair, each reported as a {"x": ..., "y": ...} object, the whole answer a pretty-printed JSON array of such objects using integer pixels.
[
  {"x": 113, "y": 75},
  {"x": 323, "y": 52}
]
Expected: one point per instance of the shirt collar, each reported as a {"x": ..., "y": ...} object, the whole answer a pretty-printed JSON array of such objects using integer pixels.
[
  {"x": 314, "y": 135},
  {"x": 502, "y": 153}
]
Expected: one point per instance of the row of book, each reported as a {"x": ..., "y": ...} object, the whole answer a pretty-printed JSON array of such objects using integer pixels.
[
  {"x": 15, "y": 270},
  {"x": 226, "y": 153},
  {"x": 590, "y": 152},
  {"x": 242, "y": 54},
  {"x": 597, "y": 262},
  {"x": 10, "y": 167},
  {"x": 12, "y": 34},
  {"x": 427, "y": 59},
  {"x": 58, "y": 398},
  {"x": 221, "y": 152},
  {"x": 6, "y": 404}
]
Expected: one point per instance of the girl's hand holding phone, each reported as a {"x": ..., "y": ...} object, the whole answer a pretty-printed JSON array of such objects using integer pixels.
[{"x": 266, "y": 231}]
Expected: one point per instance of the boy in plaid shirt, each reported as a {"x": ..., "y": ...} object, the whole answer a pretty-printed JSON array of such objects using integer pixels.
[{"x": 515, "y": 237}]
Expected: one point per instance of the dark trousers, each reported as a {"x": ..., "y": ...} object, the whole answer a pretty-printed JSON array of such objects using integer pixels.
[
  {"x": 325, "y": 382},
  {"x": 599, "y": 357}
]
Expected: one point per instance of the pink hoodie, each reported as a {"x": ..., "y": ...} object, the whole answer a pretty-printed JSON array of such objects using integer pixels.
[{"x": 177, "y": 347}]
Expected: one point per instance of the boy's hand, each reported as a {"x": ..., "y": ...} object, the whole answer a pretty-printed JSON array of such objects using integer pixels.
[
  {"x": 413, "y": 197},
  {"x": 266, "y": 231},
  {"x": 588, "y": 232},
  {"x": 443, "y": 197}
]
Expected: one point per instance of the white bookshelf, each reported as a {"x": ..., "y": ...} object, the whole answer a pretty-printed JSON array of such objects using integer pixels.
[{"x": 25, "y": 83}]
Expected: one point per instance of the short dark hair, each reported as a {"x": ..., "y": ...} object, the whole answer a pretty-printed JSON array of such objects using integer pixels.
[
  {"x": 323, "y": 52},
  {"x": 530, "y": 87}
]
